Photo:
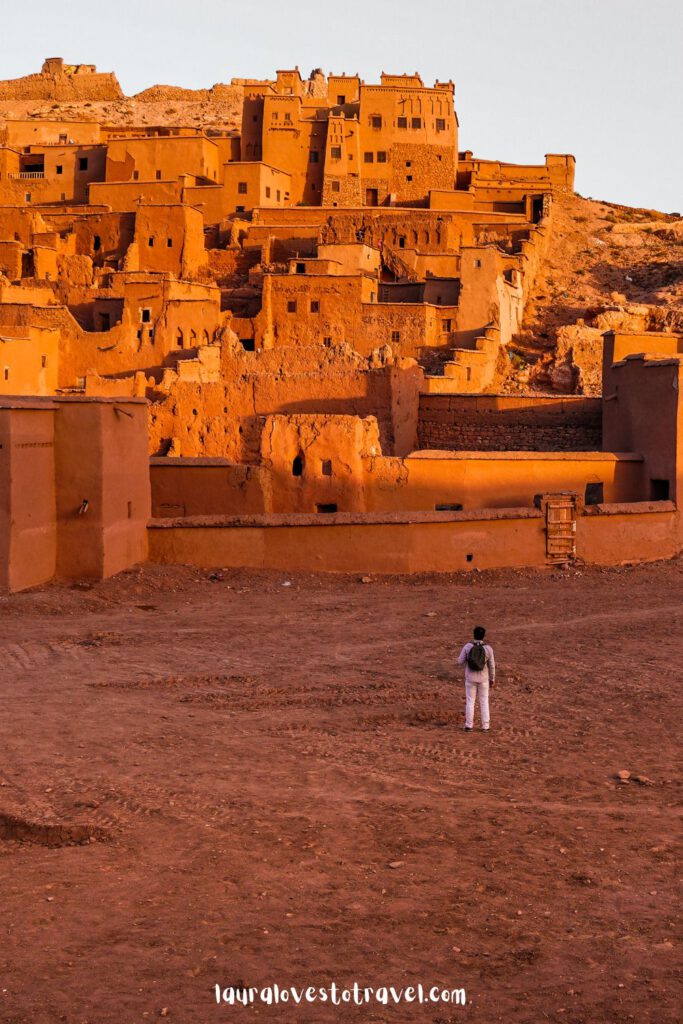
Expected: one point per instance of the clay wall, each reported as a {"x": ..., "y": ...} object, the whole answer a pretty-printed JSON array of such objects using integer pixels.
[
  {"x": 101, "y": 458},
  {"x": 170, "y": 239},
  {"x": 639, "y": 385},
  {"x": 509, "y": 423},
  {"x": 411, "y": 542},
  {"x": 29, "y": 361},
  {"x": 28, "y": 531},
  {"x": 124, "y": 197},
  {"x": 295, "y": 139},
  {"x": 162, "y": 159},
  {"x": 191, "y": 487}
]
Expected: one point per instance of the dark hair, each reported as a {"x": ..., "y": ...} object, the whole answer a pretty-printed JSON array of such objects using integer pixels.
[{"x": 479, "y": 632}]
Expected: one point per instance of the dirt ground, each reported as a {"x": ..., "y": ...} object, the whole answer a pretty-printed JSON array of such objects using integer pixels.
[{"x": 239, "y": 781}]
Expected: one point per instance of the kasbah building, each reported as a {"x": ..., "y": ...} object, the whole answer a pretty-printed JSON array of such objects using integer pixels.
[{"x": 285, "y": 343}]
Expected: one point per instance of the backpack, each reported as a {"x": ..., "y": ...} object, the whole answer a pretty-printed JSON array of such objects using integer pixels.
[{"x": 476, "y": 658}]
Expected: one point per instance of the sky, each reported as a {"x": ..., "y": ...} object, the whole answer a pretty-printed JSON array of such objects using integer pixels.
[{"x": 602, "y": 79}]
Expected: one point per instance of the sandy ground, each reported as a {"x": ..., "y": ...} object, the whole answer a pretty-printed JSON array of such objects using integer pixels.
[{"x": 277, "y": 788}]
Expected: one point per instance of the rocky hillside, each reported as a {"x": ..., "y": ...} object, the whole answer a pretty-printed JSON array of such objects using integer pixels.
[{"x": 609, "y": 267}]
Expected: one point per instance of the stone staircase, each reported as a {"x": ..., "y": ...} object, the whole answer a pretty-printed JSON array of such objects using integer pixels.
[{"x": 470, "y": 370}]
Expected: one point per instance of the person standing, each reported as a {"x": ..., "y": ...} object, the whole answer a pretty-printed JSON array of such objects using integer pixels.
[{"x": 480, "y": 674}]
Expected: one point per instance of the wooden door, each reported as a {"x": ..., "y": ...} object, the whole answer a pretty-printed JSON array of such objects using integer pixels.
[{"x": 560, "y": 519}]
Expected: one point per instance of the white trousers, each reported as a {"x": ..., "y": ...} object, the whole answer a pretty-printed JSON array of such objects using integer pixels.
[{"x": 472, "y": 692}]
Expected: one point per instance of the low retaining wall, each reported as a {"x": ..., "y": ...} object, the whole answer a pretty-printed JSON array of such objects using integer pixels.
[
  {"x": 412, "y": 543},
  {"x": 509, "y": 423}
]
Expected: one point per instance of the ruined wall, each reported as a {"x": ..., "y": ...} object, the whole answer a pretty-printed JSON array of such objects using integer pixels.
[{"x": 507, "y": 423}]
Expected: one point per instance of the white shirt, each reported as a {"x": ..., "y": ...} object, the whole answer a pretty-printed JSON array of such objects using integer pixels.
[{"x": 487, "y": 674}]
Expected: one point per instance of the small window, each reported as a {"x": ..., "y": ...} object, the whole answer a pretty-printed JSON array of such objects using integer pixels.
[
  {"x": 291, "y": 306},
  {"x": 146, "y": 315},
  {"x": 409, "y": 177},
  {"x": 381, "y": 157},
  {"x": 326, "y": 509},
  {"x": 130, "y": 509},
  {"x": 327, "y": 340},
  {"x": 440, "y": 124},
  {"x": 408, "y": 163},
  {"x": 395, "y": 336},
  {"x": 239, "y": 209},
  {"x": 267, "y": 191},
  {"x": 659, "y": 490},
  {"x": 277, "y": 195},
  {"x": 180, "y": 339},
  {"x": 336, "y": 186},
  {"x": 6, "y": 375},
  {"x": 288, "y": 117},
  {"x": 62, "y": 140},
  {"x": 416, "y": 122},
  {"x": 314, "y": 156},
  {"x": 275, "y": 116},
  {"x": 315, "y": 306},
  {"x": 83, "y": 163},
  {"x": 336, "y": 152},
  {"x": 341, "y": 100},
  {"x": 402, "y": 242},
  {"x": 43, "y": 362},
  {"x": 158, "y": 175},
  {"x": 242, "y": 188},
  {"x": 150, "y": 241},
  {"x": 477, "y": 264},
  {"x": 97, "y": 243},
  {"x": 301, "y": 268},
  {"x": 402, "y": 122},
  {"x": 136, "y": 175},
  {"x": 369, "y": 158},
  {"x": 27, "y": 197},
  {"x": 298, "y": 465},
  {"x": 169, "y": 243},
  {"x": 446, "y": 326},
  {"x": 376, "y": 121},
  {"x": 326, "y": 467},
  {"x": 59, "y": 169},
  {"x": 594, "y": 494}
]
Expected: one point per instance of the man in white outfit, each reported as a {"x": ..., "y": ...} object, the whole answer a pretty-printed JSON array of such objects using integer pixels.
[{"x": 480, "y": 674}]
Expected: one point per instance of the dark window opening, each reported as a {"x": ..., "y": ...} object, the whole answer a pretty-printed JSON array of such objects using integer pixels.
[
  {"x": 247, "y": 345},
  {"x": 59, "y": 169},
  {"x": 336, "y": 186},
  {"x": 83, "y": 163},
  {"x": 381, "y": 157},
  {"x": 150, "y": 241},
  {"x": 326, "y": 467},
  {"x": 146, "y": 315},
  {"x": 97, "y": 243},
  {"x": 440, "y": 124},
  {"x": 469, "y": 558},
  {"x": 659, "y": 490},
  {"x": 595, "y": 494},
  {"x": 136, "y": 175},
  {"x": 402, "y": 122},
  {"x": 239, "y": 209},
  {"x": 376, "y": 121},
  {"x": 43, "y": 362},
  {"x": 291, "y": 306},
  {"x": 242, "y": 188},
  {"x": 314, "y": 156},
  {"x": 301, "y": 268},
  {"x": 298, "y": 465},
  {"x": 315, "y": 306},
  {"x": 326, "y": 508},
  {"x": 335, "y": 152},
  {"x": 416, "y": 122},
  {"x": 158, "y": 175},
  {"x": 402, "y": 242},
  {"x": 537, "y": 209},
  {"x": 369, "y": 158},
  {"x": 409, "y": 177},
  {"x": 130, "y": 509},
  {"x": 395, "y": 336},
  {"x": 169, "y": 243},
  {"x": 341, "y": 100}
]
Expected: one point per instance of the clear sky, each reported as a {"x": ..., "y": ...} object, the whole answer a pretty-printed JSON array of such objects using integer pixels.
[{"x": 602, "y": 79}]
